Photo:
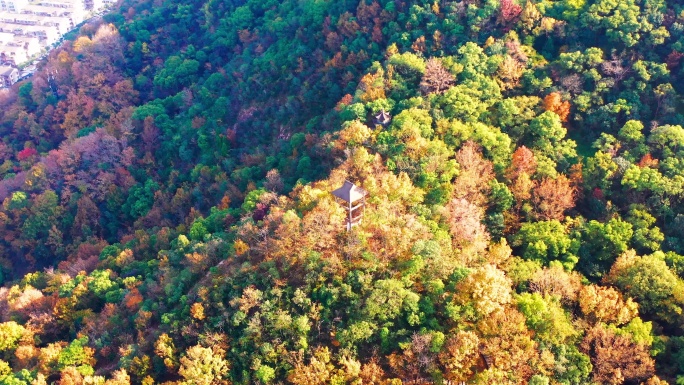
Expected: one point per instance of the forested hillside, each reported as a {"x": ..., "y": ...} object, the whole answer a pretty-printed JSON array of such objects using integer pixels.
[{"x": 167, "y": 214}]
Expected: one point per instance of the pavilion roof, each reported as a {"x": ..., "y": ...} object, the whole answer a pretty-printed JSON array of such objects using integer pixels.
[
  {"x": 350, "y": 192},
  {"x": 383, "y": 117}
]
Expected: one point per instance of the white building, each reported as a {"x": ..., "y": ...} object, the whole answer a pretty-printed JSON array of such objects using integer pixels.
[
  {"x": 30, "y": 44},
  {"x": 12, "y": 55},
  {"x": 14, "y": 6},
  {"x": 76, "y": 15},
  {"x": 8, "y": 76},
  {"x": 23, "y": 23}
]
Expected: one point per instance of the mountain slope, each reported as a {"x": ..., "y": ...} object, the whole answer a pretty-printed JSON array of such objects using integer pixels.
[{"x": 167, "y": 214}]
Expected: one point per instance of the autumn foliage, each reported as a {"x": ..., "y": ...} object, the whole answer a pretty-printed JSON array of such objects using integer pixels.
[
  {"x": 509, "y": 10},
  {"x": 436, "y": 79},
  {"x": 553, "y": 102},
  {"x": 166, "y": 213},
  {"x": 26, "y": 153}
]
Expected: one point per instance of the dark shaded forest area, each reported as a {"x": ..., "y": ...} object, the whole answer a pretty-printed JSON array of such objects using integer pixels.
[{"x": 167, "y": 214}]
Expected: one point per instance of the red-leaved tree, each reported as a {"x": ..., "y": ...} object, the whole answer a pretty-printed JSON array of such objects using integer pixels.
[
  {"x": 509, "y": 10},
  {"x": 26, "y": 153}
]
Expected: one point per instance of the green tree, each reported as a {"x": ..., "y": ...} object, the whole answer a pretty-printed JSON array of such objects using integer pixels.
[
  {"x": 76, "y": 354},
  {"x": 668, "y": 140},
  {"x": 10, "y": 334},
  {"x": 549, "y": 137},
  {"x": 547, "y": 241},
  {"x": 602, "y": 243},
  {"x": 622, "y": 21},
  {"x": 546, "y": 318},
  {"x": 571, "y": 366},
  {"x": 651, "y": 283},
  {"x": 389, "y": 299},
  {"x": 647, "y": 236},
  {"x": 265, "y": 374},
  {"x": 176, "y": 73}
]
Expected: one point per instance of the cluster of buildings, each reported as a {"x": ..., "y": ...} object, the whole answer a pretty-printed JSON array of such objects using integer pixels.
[{"x": 28, "y": 27}]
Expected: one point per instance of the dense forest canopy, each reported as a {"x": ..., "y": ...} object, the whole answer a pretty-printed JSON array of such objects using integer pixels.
[{"x": 167, "y": 214}]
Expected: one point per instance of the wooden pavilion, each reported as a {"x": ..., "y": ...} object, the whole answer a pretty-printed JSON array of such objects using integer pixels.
[
  {"x": 354, "y": 198},
  {"x": 383, "y": 118}
]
